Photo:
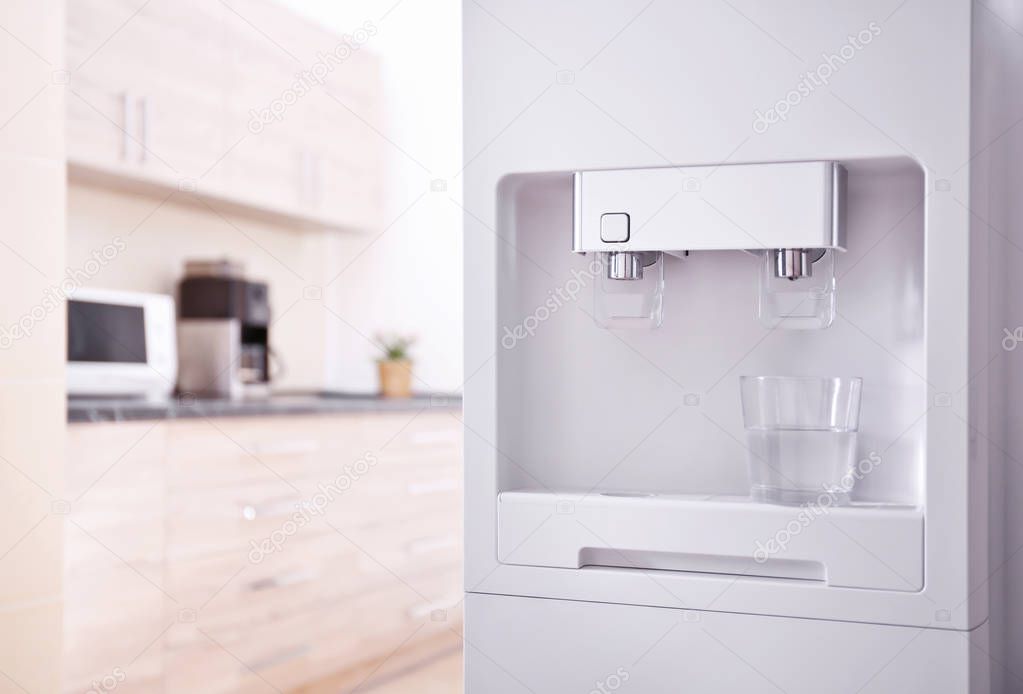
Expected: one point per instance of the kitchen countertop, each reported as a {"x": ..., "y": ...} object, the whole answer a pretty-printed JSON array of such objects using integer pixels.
[{"x": 129, "y": 409}]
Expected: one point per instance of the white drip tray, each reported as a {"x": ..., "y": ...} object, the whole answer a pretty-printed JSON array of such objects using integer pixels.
[{"x": 858, "y": 546}]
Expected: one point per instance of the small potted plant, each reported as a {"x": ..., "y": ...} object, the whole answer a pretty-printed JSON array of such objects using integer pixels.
[{"x": 395, "y": 366}]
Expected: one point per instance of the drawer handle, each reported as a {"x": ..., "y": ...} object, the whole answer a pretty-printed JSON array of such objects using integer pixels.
[
  {"x": 278, "y": 658},
  {"x": 426, "y": 545},
  {"x": 278, "y": 508},
  {"x": 435, "y": 436},
  {"x": 437, "y": 486},
  {"x": 427, "y": 609},
  {"x": 291, "y": 447},
  {"x": 291, "y": 578}
]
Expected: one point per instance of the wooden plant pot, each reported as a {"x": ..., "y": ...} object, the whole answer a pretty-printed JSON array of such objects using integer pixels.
[{"x": 395, "y": 378}]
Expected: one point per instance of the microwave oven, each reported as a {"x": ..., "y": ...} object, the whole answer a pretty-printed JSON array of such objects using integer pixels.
[{"x": 121, "y": 344}]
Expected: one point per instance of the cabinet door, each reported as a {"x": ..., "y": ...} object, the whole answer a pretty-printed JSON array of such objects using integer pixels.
[
  {"x": 96, "y": 117},
  {"x": 114, "y": 583},
  {"x": 148, "y": 88},
  {"x": 303, "y": 106},
  {"x": 264, "y": 104},
  {"x": 348, "y": 131}
]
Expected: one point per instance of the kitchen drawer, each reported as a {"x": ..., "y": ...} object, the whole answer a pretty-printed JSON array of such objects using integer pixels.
[
  {"x": 386, "y": 495},
  {"x": 115, "y": 598},
  {"x": 118, "y": 517},
  {"x": 202, "y": 583},
  {"x": 259, "y": 616},
  {"x": 232, "y": 451},
  {"x": 402, "y": 520},
  {"x": 112, "y": 618},
  {"x": 145, "y": 676},
  {"x": 205, "y": 666},
  {"x": 394, "y": 500},
  {"x": 204, "y": 454},
  {"x": 326, "y": 465},
  {"x": 110, "y": 458},
  {"x": 307, "y": 573},
  {"x": 116, "y": 481},
  {"x": 113, "y": 540},
  {"x": 285, "y": 433},
  {"x": 423, "y": 431},
  {"x": 328, "y": 639},
  {"x": 259, "y": 652},
  {"x": 231, "y": 594},
  {"x": 227, "y": 520},
  {"x": 410, "y": 546},
  {"x": 381, "y": 621}
]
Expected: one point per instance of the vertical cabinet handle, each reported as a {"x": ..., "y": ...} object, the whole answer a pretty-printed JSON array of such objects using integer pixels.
[
  {"x": 134, "y": 127},
  {"x": 129, "y": 124},
  {"x": 309, "y": 186},
  {"x": 143, "y": 127}
]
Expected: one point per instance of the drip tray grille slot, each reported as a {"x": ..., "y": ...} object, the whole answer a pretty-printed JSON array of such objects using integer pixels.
[{"x": 603, "y": 557}]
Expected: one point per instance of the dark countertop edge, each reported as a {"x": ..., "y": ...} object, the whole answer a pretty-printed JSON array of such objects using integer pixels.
[{"x": 116, "y": 410}]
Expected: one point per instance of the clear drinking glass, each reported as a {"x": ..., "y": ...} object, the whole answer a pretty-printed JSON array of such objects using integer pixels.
[{"x": 801, "y": 434}]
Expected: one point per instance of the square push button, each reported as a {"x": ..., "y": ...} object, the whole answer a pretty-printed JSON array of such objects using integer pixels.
[{"x": 614, "y": 227}]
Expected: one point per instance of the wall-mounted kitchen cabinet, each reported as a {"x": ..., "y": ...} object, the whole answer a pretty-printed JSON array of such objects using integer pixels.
[{"x": 226, "y": 103}]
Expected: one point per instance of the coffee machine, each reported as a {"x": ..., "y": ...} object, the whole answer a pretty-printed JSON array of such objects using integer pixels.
[{"x": 223, "y": 331}]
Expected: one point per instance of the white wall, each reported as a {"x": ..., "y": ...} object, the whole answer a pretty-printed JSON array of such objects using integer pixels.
[
  {"x": 407, "y": 278},
  {"x": 158, "y": 239}
]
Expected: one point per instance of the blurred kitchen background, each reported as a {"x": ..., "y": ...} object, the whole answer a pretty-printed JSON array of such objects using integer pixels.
[
  {"x": 232, "y": 346},
  {"x": 345, "y": 203}
]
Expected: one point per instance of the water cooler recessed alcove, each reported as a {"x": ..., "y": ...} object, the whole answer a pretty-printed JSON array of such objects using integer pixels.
[{"x": 626, "y": 448}]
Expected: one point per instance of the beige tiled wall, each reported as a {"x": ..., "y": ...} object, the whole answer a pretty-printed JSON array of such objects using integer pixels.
[{"x": 32, "y": 201}]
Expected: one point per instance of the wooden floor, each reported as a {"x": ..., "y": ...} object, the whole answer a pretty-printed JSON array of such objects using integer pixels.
[{"x": 436, "y": 672}]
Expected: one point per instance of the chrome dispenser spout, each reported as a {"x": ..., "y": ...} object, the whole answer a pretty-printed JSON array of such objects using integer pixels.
[
  {"x": 627, "y": 265},
  {"x": 795, "y": 263}
]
